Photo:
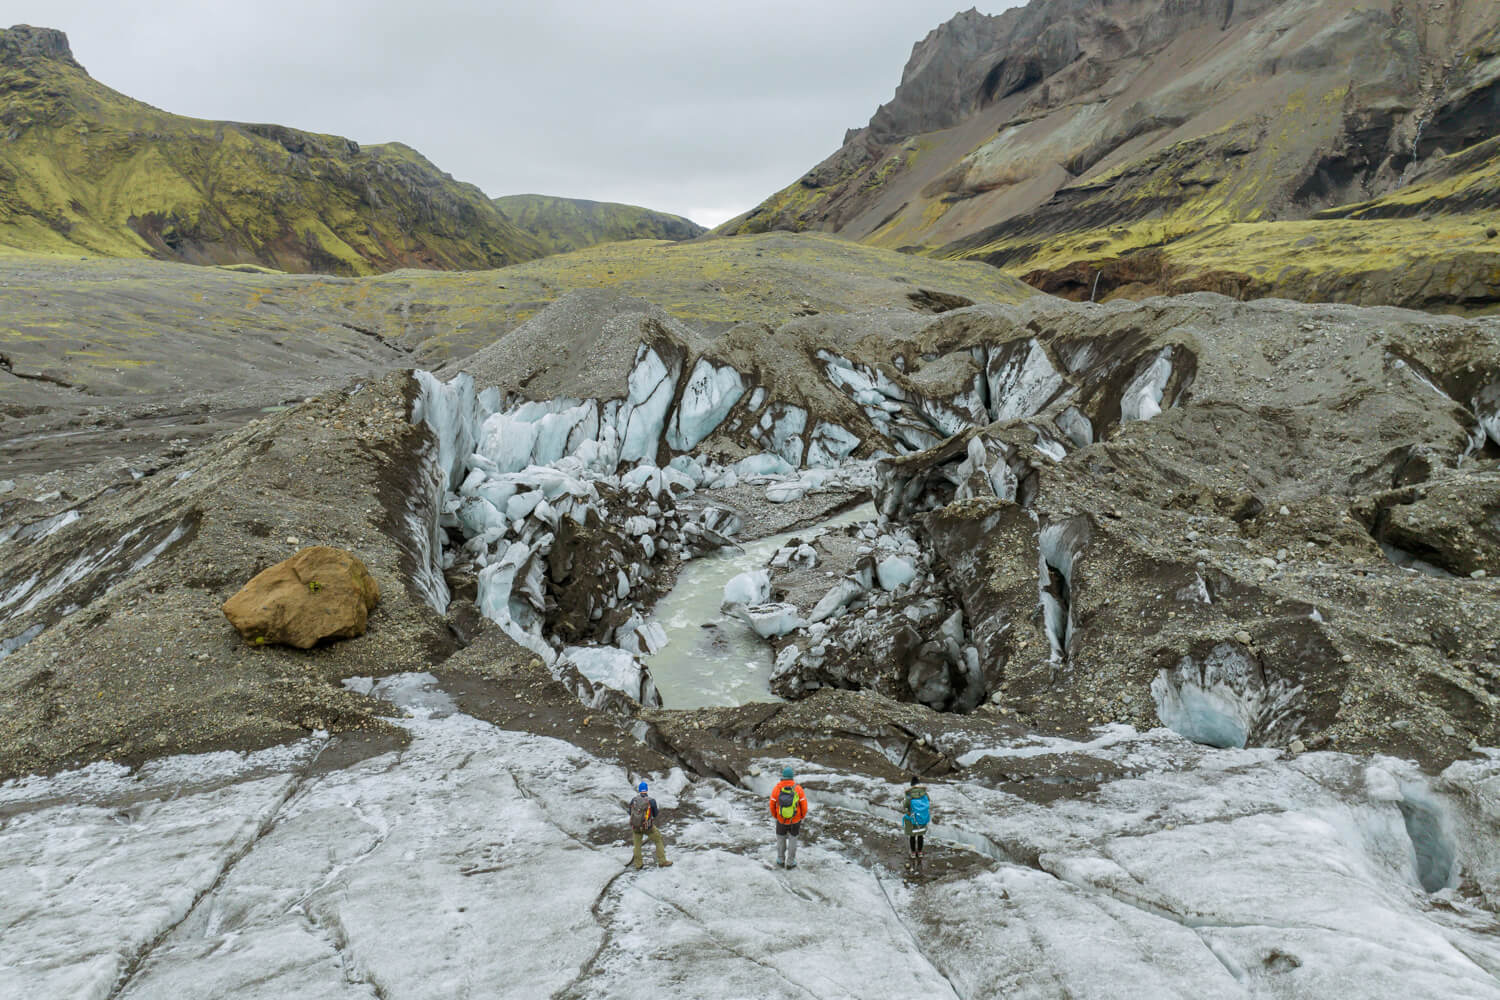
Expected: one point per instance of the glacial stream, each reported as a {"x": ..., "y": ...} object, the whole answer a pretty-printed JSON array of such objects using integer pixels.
[{"x": 712, "y": 658}]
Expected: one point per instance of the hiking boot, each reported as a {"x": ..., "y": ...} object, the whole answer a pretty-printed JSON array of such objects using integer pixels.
[
  {"x": 791, "y": 864},
  {"x": 664, "y": 864}
]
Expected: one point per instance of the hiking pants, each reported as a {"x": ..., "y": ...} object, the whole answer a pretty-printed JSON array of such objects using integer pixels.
[
  {"x": 786, "y": 843},
  {"x": 655, "y": 835}
]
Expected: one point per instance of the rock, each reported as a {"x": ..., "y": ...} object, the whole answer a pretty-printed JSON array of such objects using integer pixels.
[
  {"x": 1478, "y": 574},
  {"x": 319, "y": 593},
  {"x": 1297, "y": 746},
  {"x": 1242, "y": 637},
  {"x": 1244, "y": 506}
]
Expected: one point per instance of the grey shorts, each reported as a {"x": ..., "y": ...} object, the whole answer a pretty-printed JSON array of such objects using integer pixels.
[{"x": 787, "y": 829}]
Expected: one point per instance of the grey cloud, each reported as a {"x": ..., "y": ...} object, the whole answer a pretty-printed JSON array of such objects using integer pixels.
[{"x": 685, "y": 107}]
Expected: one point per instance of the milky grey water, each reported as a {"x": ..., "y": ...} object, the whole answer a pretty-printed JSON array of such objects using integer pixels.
[{"x": 727, "y": 664}]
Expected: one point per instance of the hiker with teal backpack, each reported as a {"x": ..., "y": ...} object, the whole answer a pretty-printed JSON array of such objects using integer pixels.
[
  {"x": 788, "y": 809},
  {"x": 643, "y": 813},
  {"x": 916, "y": 813}
]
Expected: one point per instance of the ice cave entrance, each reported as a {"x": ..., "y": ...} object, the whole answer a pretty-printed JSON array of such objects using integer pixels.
[{"x": 712, "y": 658}]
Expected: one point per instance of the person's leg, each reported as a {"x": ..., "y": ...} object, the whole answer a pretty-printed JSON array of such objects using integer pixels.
[
  {"x": 791, "y": 846},
  {"x": 911, "y": 843},
  {"x": 781, "y": 839},
  {"x": 635, "y": 859},
  {"x": 920, "y": 838},
  {"x": 661, "y": 846}
]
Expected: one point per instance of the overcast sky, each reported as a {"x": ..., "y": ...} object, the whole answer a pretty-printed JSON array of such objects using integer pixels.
[{"x": 699, "y": 108}]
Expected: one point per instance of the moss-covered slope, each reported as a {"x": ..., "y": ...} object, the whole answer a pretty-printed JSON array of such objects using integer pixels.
[
  {"x": 73, "y": 330},
  {"x": 84, "y": 168},
  {"x": 564, "y": 224}
]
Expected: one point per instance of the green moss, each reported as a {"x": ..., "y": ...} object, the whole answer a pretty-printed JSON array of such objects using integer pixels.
[{"x": 85, "y": 169}]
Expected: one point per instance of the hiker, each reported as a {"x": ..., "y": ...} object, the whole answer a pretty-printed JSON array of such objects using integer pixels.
[
  {"x": 788, "y": 809},
  {"x": 916, "y": 813},
  {"x": 643, "y": 813}
]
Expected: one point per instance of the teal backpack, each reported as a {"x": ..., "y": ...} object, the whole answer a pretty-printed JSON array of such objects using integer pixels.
[{"x": 919, "y": 810}]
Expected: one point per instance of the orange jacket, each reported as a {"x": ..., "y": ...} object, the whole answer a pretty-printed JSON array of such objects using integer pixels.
[{"x": 801, "y": 800}]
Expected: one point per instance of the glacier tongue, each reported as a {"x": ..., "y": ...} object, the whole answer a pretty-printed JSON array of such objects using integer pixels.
[{"x": 1193, "y": 873}]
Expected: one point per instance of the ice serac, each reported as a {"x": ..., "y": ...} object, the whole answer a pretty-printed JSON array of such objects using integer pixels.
[
  {"x": 449, "y": 408},
  {"x": 1141, "y": 399},
  {"x": 1487, "y": 409},
  {"x": 643, "y": 417},
  {"x": 613, "y": 668},
  {"x": 1021, "y": 380},
  {"x": 780, "y": 430},
  {"x": 830, "y": 445},
  {"x": 1223, "y": 698},
  {"x": 710, "y": 394},
  {"x": 1059, "y": 546},
  {"x": 750, "y": 588}
]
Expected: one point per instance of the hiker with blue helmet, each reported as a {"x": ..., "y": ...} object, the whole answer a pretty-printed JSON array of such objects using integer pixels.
[
  {"x": 788, "y": 808},
  {"x": 916, "y": 813},
  {"x": 643, "y": 813}
]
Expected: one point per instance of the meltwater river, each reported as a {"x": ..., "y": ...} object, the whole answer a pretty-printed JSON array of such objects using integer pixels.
[{"x": 727, "y": 663}]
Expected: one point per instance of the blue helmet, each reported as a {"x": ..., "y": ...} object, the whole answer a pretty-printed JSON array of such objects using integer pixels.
[{"x": 641, "y": 787}]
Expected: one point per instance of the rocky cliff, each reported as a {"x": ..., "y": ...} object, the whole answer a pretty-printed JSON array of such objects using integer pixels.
[
  {"x": 565, "y": 224},
  {"x": 84, "y": 168},
  {"x": 1139, "y": 146}
]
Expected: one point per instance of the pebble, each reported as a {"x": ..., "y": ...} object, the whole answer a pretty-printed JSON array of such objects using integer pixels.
[
  {"x": 1242, "y": 637},
  {"x": 1283, "y": 511},
  {"x": 1478, "y": 574},
  {"x": 1297, "y": 746},
  {"x": 293, "y": 540},
  {"x": 1347, "y": 658}
]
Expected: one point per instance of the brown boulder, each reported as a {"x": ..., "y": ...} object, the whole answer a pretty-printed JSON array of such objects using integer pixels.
[{"x": 319, "y": 593}]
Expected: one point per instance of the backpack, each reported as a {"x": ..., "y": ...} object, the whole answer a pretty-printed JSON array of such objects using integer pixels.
[
  {"x": 640, "y": 813},
  {"x": 919, "y": 810},
  {"x": 786, "y": 803}
]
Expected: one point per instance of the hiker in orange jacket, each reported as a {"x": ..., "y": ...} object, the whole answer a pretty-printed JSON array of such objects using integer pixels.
[{"x": 788, "y": 808}]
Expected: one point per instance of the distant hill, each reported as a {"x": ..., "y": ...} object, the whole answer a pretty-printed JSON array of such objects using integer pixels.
[
  {"x": 1329, "y": 150},
  {"x": 86, "y": 169},
  {"x": 561, "y": 225}
]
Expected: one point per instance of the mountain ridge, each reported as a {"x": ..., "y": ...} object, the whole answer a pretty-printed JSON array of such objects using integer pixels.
[
  {"x": 563, "y": 224},
  {"x": 1066, "y": 136},
  {"x": 85, "y": 168}
]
